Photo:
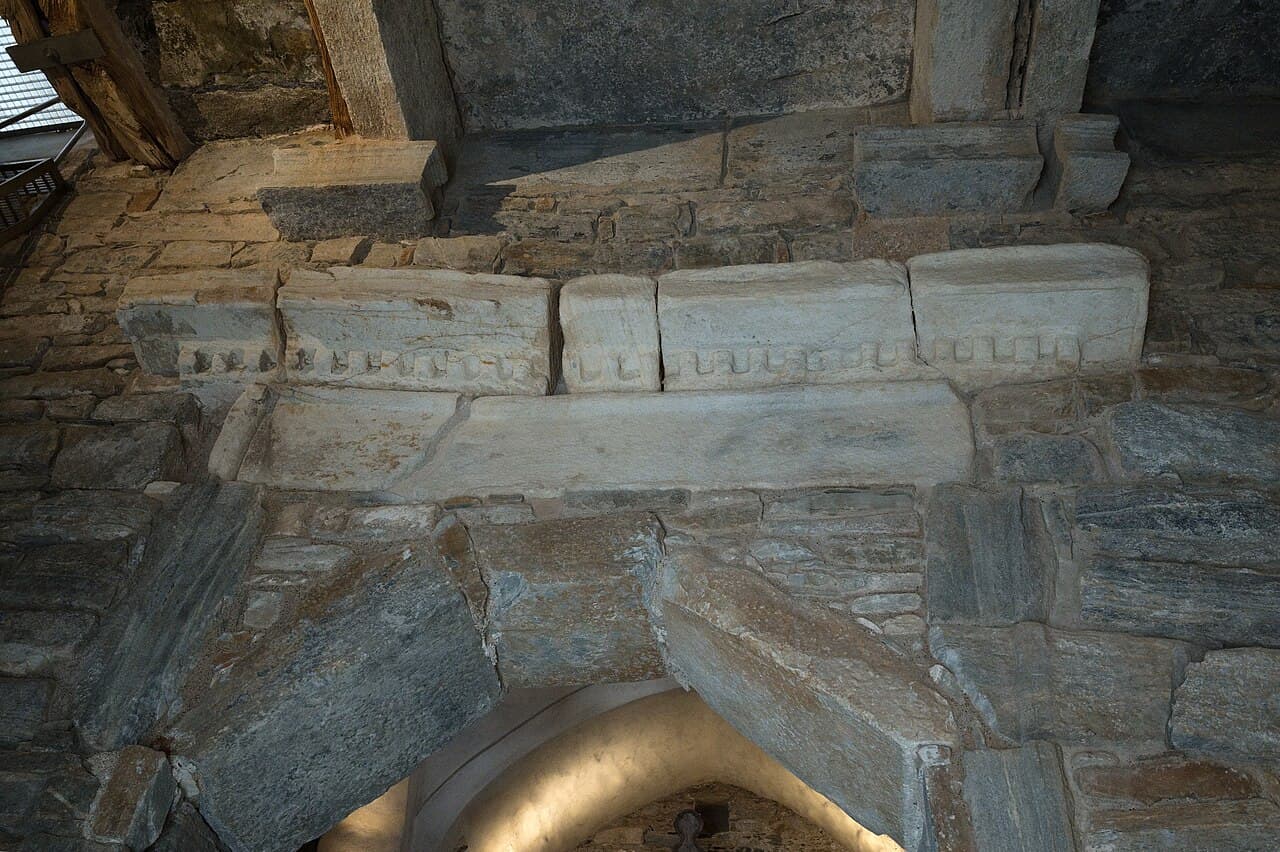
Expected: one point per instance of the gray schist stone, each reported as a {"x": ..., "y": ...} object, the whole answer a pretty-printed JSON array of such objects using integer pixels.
[
  {"x": 907, "y": 171},
  {"x": 127, "y": 456},
  {"x": 378, "y": 188},
  {"x": 131, "y": 806},
  {"x": 963, "y": 52},
  {"x": 1228, "y": 705},
  {"x": 340, "y": 706},
  {"x": 22, "y": 708},
  {"x": 1084, "y": 169},
  {"x": 989, "y": 558},
  {"x": 1057, "y": 63},
  {"x": 818, "y": 693},
  {"x": 564, "y": 604},
  {"x": 1018, "y": 800},
  {"x": 1188, "y": 564},
  {"x": 1034, "y": 682},
  {"x": 1194, "y": 442},
  {"x": 186, "y": 831},
  {"x": 134, "y": 667},
  {"x": 1066, "y": 459}
]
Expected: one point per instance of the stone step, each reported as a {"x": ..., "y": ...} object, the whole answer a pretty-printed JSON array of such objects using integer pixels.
[{"x": 424, "y": 446}]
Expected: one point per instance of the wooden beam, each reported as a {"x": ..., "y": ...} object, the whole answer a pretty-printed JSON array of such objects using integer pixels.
[
  {"x": 117, "y": 99},
  {"x": 342, "y": 124}
]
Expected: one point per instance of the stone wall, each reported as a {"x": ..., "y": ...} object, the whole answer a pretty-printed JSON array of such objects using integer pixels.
[
  {"x": 1197, "y": 50},
  {"x": 239, "y": 68},
  {"x": 753, "y": 824},
  {"x": 562, "y": 63}
]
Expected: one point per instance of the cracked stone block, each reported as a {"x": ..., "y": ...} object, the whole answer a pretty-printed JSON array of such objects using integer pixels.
[
  {"x": 1189, "y": 564},
  {"x": 1017, "y": 799},
  {"x": 132, "y": 805},
  {"x": 989, "y": 558},
  {"x": 890, "y": 433},
  {"x": 1227, "y": 705},
  {"x": 1018, "y": 313},
  {"x": 379, "y": 188},
  {"x": 1034, "y": 682},
  {"x": 386, "y": 667},
  {"x": 125, "y": 456},
  {"x": 564, "y": 605},
  {"x": 337, "y": 439},
  {"x": 610, "y": 326},
  {"x": 1194, "y": 442},
  {"x": 211, "y": 325},
  {"x": 837, "y": 707},
  {"x": 1084, "y": 168},
  {"x": 960, "y": 66},
  {"x": 792, "y": 323},
  {"x": 946, "y": 168},
  {"x": 418, "y": 329}
]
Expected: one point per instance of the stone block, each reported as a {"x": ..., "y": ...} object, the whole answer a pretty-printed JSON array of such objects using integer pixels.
[
  {"x": 1245, "y": 826},
  {"x": 78, "y": 576},
  {"x": 1017, "y": 799},
  {"x": 126, "y": 456},
  {"x": 890, "y": 433},
  {"x": 1057, "y": 61},
  {"x": 564, "y": 605},
  {"x": 1227, "y": 705},
  {"x": 793, "y": 323},
  {"x": 1065, "y": 459},
  {"x": 386, "y": 667},
  {"x": 22, "y": 708},
  {"x": 1084, "y": 168},
  {"x": 418, "y": 329},
  {"x": 132, "y": 671},
  {"x": 32, "y": 642},
  {"x": 380, "y": 188},
  {"x": 946, "y": 168},
  {"x": 132, "y": 805},
  {"x": 1194, "y": 442},
  {"x": 335, "y": 439},
  {"x": 209, "y": 325},
  {"x": 610, "y": 326},
  {"x": 989, "y": 558},
  {"x": 26, "y": 452},
  {"x": 963, "y": 53},
  {"x": 1034, "y": 682},
  {"x": 985, "y": 316},
  {"x": 819, "y": 694}
]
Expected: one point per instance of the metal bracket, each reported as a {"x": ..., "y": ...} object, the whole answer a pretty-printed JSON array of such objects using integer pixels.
[{"x": 52, "y": 52}]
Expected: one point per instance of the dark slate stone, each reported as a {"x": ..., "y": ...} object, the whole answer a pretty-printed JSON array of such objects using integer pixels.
[
  {"x": 1194, "y": 442},
  {"x": 128, "y": 456},
  {"x": 1017, "y": 799},
  {"x": 1046, "y": 458},
  {"x": 134, "y": 667},
  {"x": 1209, "y": 604},
  {"x": 25, "y": 454},
  {"x": 1192, "y": 525},
  {"x": 22, "y": 708},
  {"x": 989, "y": 560},
  {"x": 390, "y": 211},
  {"x": 614, "y": 62},
  {"x": 382, "y": 668},
  {"x": 186, "y": 831},
  {"x": 564, "y": 605},
  {"x": 1228, "y": 705},
  {"x": 1033, "y": 682},
  {"x": 65, "y": 576}
]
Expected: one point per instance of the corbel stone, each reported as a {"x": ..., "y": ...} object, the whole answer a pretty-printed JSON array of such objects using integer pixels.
[{"x": 1084, "y": 170}]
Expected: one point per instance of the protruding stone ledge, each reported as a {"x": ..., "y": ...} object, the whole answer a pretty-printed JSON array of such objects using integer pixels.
[
  {"x": 423, "y": 445},
  {"x": 418, "y": 329},
  {"x": 368, "y": 187},
  {"x": 792, "y": 323},
  {"x": 986, "y": 316},
  {"x": 610, "y": 327},
  {"x": 216, "y": 324},
  {"x": 907, "y": 171},
  {"x": 1085, "y": 170}
]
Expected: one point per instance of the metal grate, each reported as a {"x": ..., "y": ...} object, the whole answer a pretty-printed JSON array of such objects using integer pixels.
[{"x": 20, "y": 91}]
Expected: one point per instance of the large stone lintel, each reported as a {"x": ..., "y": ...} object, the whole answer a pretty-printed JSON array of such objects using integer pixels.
[
  {"x": 984, "y": 316},
  {"x": 373, "y": 188},
  {"x": 796, "y": 323},
  {"x": 910, "y": 171},
  {"x": 418, "y": 329},
  {"x": 423, "y": 445},
  {"x": 211, "y": 325}
]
